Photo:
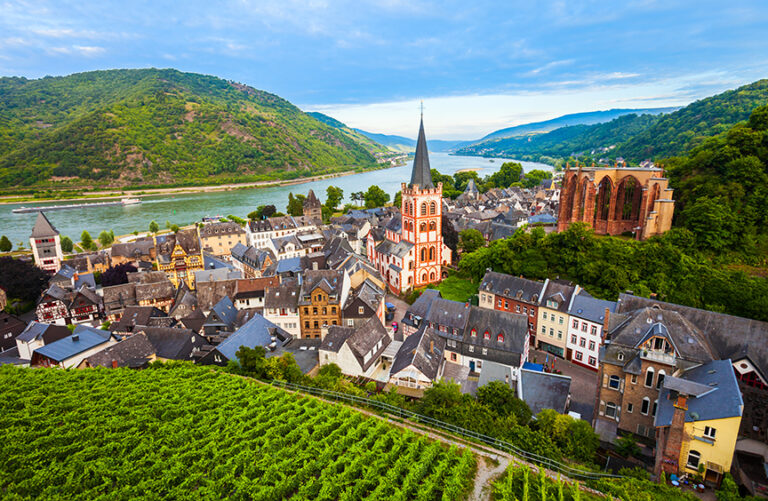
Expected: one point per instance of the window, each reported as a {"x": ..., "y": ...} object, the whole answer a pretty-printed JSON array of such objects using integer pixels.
[
  {"x": 544, "y": 315},
  {"x": 517, "y": 308},
  {"x": 314, "y": 311},
  {"x": 471, "y": 348},
  {"x": 551, "y": 332},
  {"x": 325, "y": 310},
  {"x": 633, "y": 379},
  {"x": 306, "y": 311},
  {"x": 432, "y": 225},
  {"x": 614, "y": 382},
  {"x": 423, "y": 227},
  {"x": 594, "y": 330},
  {"x": 591, "y": 346},
  {"x": 649, "y": 377},
  {"x": 693, "y": 460},
  {"x": 660, "y": 379},
  {"x": 630, "y": 408},
  {"x": 655, "y": 407},
  {"x": 561, "y": 320},
  {"x": 424, "y": 208},
  {"x": 582, "y": 342},
  {"x": 610, "y": 410},
  {"x": 306, "y": 324},
  {"x": 350, "y": 322},
  {"x": 573, "y": 339},
  {"x": 579, "y": 356},
  {"x": 575, "y": 324},
  {"x": 709, "y": 432},
  {"x": 592, "y": 361},
  {"x": 543, "y": 330},
  {"x": 316, "y": 324},
  {"x": 473, "y": 333},
  {"x": 453, "y": 357},
  {"x": 500, "y": 338},
  {"x": 645, "y": 406},
  {"x": 360, "y": 310},
  {"x": 559, "y": 334},
  {"x": 532, "y": 313},
  {"x": 333, "y": 310},
  {"x": 432, "y": 208},
  {"x": 499, "y": 303},
  {"x": 486, "y": 335},
  {"x": 485, "y": 351},
  {"x": 584, "y": 327}
]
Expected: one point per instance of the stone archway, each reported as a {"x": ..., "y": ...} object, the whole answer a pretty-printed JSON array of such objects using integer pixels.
[{"x": 629, "y": 196}]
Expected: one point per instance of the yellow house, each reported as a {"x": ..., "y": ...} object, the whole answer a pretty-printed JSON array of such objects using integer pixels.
[
  {"x": 179, "y": 255},
  {"x": 553, "y": 318},
  {"x": 697, "y": 422}
]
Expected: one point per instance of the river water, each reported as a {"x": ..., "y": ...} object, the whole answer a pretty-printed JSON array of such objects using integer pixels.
[{"x": 186, "y": 208}]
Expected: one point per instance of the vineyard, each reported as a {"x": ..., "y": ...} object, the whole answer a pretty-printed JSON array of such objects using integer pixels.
[{"x": 187, "y": 432}]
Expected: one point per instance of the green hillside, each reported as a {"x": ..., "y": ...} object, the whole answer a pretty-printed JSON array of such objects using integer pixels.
[
  {"x": 369, "y": 144},
  {"x": 185, "y": 432},
  {"x": 157, "y": 127},
  {"x": 635, "y": 137}
]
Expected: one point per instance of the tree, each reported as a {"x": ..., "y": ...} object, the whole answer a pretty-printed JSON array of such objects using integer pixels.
[
  {"x": 501, "y": 399},
  {"x": 534, "y": 177},
  {"x": 398, "y": 200},
  {"x": 508, "y": 173},
  {"x": 116, "y": 275},
  {"x": 295, "y": 205},
  {"x": 252, "y": 361},
  {"x": 175, "y": 228},
  {"x": 262, "y": 212},
  {"x": 334, "y": 196},
  {"x": 66, "y": 244},
  {"x": 712, "y": 221},
  {"x": 22, "y": 279},
  {"x": 153, "y": 227},
  {"x": 626, "y": 446},
  {"x": 375, "y": 197},
  {"x": 5, "y": 244},
  {"x": 106, "y": 238},
  {"x": 167, "y": 225},
  {"x": 86, "y": 241},
  {"x": 450, "y": 235},
  {"x": 470, "y": 240}
]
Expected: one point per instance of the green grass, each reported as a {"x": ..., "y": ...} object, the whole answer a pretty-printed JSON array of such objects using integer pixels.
[{"x": 457, "y": 288}]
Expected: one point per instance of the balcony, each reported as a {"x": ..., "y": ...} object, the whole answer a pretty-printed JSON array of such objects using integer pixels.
[{"x": 658, "y": 356}]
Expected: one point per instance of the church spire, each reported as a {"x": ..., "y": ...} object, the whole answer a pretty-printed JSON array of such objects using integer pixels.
[{"x": 421, "y": 174}]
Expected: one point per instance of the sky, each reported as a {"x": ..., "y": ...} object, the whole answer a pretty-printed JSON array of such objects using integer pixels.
[{"x": 477, "y": 65}]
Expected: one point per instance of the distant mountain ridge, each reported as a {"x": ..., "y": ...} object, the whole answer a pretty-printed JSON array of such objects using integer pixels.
[
  {"x": 369, "y": 144},
  {"x": 157, "y": 127},
  {"x": 407, "y": 145}
]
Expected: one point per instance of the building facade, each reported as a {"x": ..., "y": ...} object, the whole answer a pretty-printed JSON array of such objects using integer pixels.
[
  {"x": 585, "y": 329},
  {"x": 502, "y": 292},
  {"x": 615, "y": 200},
  {"x": 219, "y": 238},
  {"x": 46, "y": 245},
  {"x": 321, "y": 299},
  {"x": 553, "y": 319},
  {"x": 179, "y": 255}
]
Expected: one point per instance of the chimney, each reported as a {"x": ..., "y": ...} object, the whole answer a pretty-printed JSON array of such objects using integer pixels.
[
  {"x": 114, "y": 364},
  {"x": 432, "y": 347},
  {"x": 668, "y": 451},
  {"x": 606, "y": 320},
  {"x": 75, "y": 337}
]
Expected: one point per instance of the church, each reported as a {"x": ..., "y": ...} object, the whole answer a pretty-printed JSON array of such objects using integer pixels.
[{"x": 412, "y": 253}]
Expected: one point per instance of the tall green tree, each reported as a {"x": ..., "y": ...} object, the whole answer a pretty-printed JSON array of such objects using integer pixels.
[
  {"x": 470, "y": 240},
  {"x": 106, "y": 238},
  {"x": 5, "y": 244},
  {"x": 334, "y": 196},
  {"x": 295, "y": 204},
  {"x": 66, "y": 244},
  {"x": 153, "y": 227},
  {"x": 375, "y": 197},
  {"x": 508, "y": 173},
  {"x": 398, "y": 200},
  {"x": 86, "y": 241}
]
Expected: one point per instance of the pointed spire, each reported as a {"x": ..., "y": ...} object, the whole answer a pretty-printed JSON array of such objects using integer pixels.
[
  {"x": 421, "y": 174},
  {"x": 43, "y": 228}
]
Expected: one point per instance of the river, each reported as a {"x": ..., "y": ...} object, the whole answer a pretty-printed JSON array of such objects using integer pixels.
[{"x": 186, "y": 208}]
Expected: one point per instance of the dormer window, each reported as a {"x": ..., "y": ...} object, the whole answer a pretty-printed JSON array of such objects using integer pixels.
[
  {"x": 500, "y": 338},
  {"x": 473, "y": 333},
  {"x": 486, "y": 335}
]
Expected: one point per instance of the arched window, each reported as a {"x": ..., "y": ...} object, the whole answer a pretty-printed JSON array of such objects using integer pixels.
[
  {"x": 473, "y": 333},
  {"x": 432, "y": 208},
  {"x": 645, "y": 406},
  {"x": 613, "y": 382},
  {"x": 610, "y": 410},
  {"x": 500, "y": 338},
  {"x": 655, "y": 406},
  {"x": 423, "y": 277},
  {"x": 431, "y": 253},
  {"x": 693, "y": 459},
  {"x": 423, "y": 208},
  {"x": 410, "y": 265},
  {"x": 423, "y": 227},
  {"x": 660, "y": 379},
  {"x": 486, "y": 335},
  {"x": 423, "y": 254},
  {"x": 432, "y": 276},
  {"x": 649, "y": 377},
  {"x": 432, "y": 226}
]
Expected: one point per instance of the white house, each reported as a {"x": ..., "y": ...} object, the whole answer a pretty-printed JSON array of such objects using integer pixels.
[
  {"x": 281, "y": 308},
  {"x": 585, "y": 329},
  {"x": 70, "y": 351},
  {"x": 356, "y": 350}
]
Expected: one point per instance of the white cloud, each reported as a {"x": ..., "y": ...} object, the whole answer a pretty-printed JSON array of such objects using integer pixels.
[{"x": 89, "y": 50}]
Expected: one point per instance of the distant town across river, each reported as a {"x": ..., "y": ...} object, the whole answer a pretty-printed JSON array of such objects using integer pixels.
[{"x": 187, "y": 208}]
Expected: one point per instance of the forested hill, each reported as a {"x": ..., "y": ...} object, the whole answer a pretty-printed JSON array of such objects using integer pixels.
[
  {"x": 144, "y": 127},
  {"x": 635, "y": 137},
  {"x": 369, "y": 144}
]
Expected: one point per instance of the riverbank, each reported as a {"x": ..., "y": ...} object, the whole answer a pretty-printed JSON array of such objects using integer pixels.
[{"x": 138, "y": 193}]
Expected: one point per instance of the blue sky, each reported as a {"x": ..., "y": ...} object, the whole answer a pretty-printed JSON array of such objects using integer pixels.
[{"x": 477, "y": 65}]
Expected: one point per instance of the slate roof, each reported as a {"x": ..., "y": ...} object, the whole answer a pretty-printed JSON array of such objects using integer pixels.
[
  {"x": 10, "y": 324},
  {"x": 284, "y": 296},
  {"x": 514, "y": 327},
  {"x": 590, "y": 308},
  {"x": 133, "y": 250},
  {"x": 730, "y": 336},
  {"x": 542, "y": 219},
  {"x": 395, "y": 224},
  {"x": 336, "y": 337},
  {"x": 420, "y": 307},
  {"x": 330, "y": 281},
  {"x": 401, "y": 249},
  {"x": 723, "y": 401},
  {"x": 451, "y": 314},
  {"x": 194, "y": 320},
  {"x": 221, "y": 228},
  {"x": 172, "y": 343},
  {"x": 542, "y": 390},
  {"x": 133, "y": 351},
  {"x": 223, "y": 313},
  {"x": 290, "y": 265},
  {"x": 82, "y": 339},
  {"x": 311, "y": 201},
  {"x": 421, "y": 174},
  {"x": 155, "y": 291},
  {"x": 258, "y": 331},
  {"x": 215, "y": 275},
  {"x": 210, "y": 293},
  {"x": 135, "y": 315},
  {"x": 365, "y": 338},
  {"x": 43, "y": 228},
  {"x": 518, "y": 288},
  {"x": 47, "y": 332},
  {"x": 558, "y": 291},
  {"x": 424, "y": 350},
  {"x": 118, "y": 297}
]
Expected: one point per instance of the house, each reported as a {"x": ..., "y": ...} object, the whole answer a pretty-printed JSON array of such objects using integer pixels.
[
  {"x": 356, "y": 350},
  {"x": 418, "y": 362},
  {"x": 184, "y": 303},
  {"x": 133, "y": 316},
  {"x": 413, "y": 318},
  {"x": 281, "y": 308},
  {"x": 53, "y": 306},
  {"x": 252, "y": 262},
  {"x": 554, "y": 303},
  {"x": 544, "y": 390},
  {"x": 312, "y": 208},
  {"x": 363, "y": 303},
  {"x": 258, "y": 331},
  {"x": 71, "y": 350},
  {"x": 133, "y": 352},
  {"x": 585, "y": 329},
  {"x": 45, "y": 243},
  {"x": 322, "y": 295},
  {"x": 220, "y": 319},
  {"x": 219, "y": 238},
  {"x": 152, "y": 288},
  {"x": 117, "y": 298},
  {"x": 85, "y": 306},
  {"x": 179, "y": 255},
  {"x": 172, "y": 343},
  {"x": 38, "y": 334},
  {"x": 512, "y": 294},
  {"x": 140, "y": 250},
  {"x": 698, "y": 421},
  {"x": 260, "y": 232},
  {"x": 10, "y": 327},
  {"x": 286, "y": 247}
]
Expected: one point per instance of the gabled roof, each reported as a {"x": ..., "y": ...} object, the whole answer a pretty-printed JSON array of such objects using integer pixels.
[
  {"x": 43, "y": 228},
  {"x": 543, "y": 390},
  {"x": 421, "y": 175},
  {"x": 258, "y": 331},
  {"x": 82, "y": 339},
  {"x": 336, "y": 337},
  {"x": 222, "y": 313},
  {"x": 133, "y": 351},
  {"x": 512, "y": 326},
  {"x": 512, "y": 287},
  {"x": 47, "y": 332},
  {"x": 135, "y": 315},
  {"x": 311, "y": 201},
  {"x": 171, "y": 343},
  {"x": 424, "y": 350},
  {"x": 365, "y": 338},
  {"x": 723, "y": 400},
  {"x": 284, "y": 296},
  {"x": 451, "y": 314},
  {"x": 589, "y": 308}
]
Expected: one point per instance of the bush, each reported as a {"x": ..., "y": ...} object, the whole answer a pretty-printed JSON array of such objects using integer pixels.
[{"x": 626, "y": 446}]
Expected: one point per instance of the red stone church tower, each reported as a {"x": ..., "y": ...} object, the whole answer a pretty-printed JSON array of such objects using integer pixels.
[{"x": 421, "y": 210}]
